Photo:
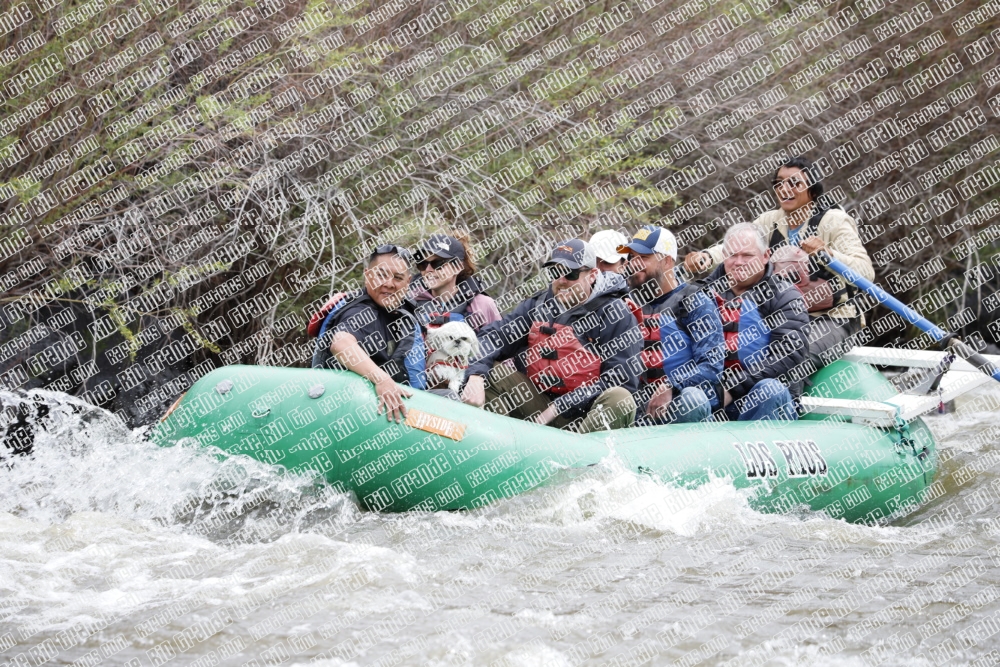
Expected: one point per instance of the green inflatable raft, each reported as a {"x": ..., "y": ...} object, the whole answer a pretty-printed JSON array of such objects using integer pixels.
[{"x": 450, "y": 456}]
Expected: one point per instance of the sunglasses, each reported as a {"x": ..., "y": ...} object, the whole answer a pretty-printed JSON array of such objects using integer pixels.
[
  {"x": 559, "y": 271},
  {"x": 436, "y": 264},
  {"x": 392, "y": 249}
]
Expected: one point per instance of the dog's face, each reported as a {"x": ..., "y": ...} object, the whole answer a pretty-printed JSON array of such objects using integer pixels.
[{"x": 457, "y": 340}]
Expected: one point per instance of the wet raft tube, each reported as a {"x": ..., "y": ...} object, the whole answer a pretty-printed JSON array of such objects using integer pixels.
[{"x": 453, "y": 456}]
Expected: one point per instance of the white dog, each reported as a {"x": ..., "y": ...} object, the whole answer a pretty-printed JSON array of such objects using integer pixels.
[{"x": 450, "y": 347}]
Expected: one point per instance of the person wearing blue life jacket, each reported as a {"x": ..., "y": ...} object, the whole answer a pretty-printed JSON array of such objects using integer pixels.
[
  {"x": 447, "y": 291},
  {"x": 765, "y": 323},
  {"x": 374, "y": 333},
  {"x": 683, "y": 345}
]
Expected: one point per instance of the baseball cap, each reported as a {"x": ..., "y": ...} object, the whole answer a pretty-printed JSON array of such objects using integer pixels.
[
  {"x": 441, "y": 245},
  {"x": 650, "y": 239},
  {"x": 605, "y": 244},
  {"x": 573, "y": 254}
]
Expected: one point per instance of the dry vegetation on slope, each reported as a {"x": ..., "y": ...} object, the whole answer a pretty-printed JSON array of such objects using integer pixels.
[{"x": 184, "y": 181}]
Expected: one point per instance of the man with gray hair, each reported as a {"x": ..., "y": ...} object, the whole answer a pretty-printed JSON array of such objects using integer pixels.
[{"x": 764, "y": 320}]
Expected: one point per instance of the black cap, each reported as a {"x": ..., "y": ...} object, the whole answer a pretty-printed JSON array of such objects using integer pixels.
[
  {"x": 573, "y": 254},
  {"x": 442, "y": 245}
]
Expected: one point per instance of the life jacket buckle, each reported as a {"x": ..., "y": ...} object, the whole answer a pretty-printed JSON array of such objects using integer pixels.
[
  {"x": 549, "y": 353},
  {"x": 547, "y": 330}
]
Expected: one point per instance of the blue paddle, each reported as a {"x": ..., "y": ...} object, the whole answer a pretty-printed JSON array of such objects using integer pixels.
[{"x": 910, "y": 315}]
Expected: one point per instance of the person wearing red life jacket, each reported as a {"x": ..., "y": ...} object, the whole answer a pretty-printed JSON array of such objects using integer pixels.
[
  {"x": 792, "y": 263},
  {"x": 316, "y": 321},
  {"x": 574, "y": 347},
  {"x": 683, "y": 344},
  {"x": 765, "y": 322}
]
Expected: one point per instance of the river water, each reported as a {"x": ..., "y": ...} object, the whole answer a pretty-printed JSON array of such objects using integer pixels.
[{"x": 115, "y": 551}]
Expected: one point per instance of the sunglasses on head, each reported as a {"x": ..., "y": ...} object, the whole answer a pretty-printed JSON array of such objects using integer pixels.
[
  {"x": 559, "y": 271},
  {"x": 435, "y": 263},
  {"x": 392, "y": 249}
]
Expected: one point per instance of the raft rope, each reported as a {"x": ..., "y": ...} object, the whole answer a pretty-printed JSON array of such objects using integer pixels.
[{"x": 905, "y": 443}]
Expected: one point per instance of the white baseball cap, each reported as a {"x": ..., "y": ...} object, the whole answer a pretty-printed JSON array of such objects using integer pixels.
[{"x": 605, "y": 244}]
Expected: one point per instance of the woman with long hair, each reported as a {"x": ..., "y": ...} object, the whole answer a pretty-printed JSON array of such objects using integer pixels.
[{"x": 450, "y": 289}]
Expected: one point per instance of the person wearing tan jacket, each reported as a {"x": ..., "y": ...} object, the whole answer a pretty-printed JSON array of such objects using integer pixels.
[{"x": 807, "y": 220}]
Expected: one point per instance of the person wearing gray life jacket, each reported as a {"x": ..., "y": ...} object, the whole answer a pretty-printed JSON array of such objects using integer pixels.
[
  {"x": 374, "y": 333},
  {"x": 764, "y": 322},
  {"x": 808, "y": 219},
  {"x": 683, "y": 343}
]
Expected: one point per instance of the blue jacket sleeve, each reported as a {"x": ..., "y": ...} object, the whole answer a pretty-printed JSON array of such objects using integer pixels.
[
  {"x": 708, "y": 343},
  {"x": 618, "y": 347}
]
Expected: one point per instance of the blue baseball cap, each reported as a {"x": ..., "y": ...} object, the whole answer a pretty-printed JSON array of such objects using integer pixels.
[{"x": 650, "y": 239}]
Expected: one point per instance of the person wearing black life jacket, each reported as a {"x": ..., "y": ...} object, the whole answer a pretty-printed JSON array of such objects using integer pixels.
[
  {"x": 374, "y": 333},
  {"x": 807, "y": 219},
  {"x": 683, "y": 344},
  {"x": 573, "y": 349},
  {"x": 764, "y": 321},
  {"x": 446, "y": 292},
  {"x": 450, "y": 290}
]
